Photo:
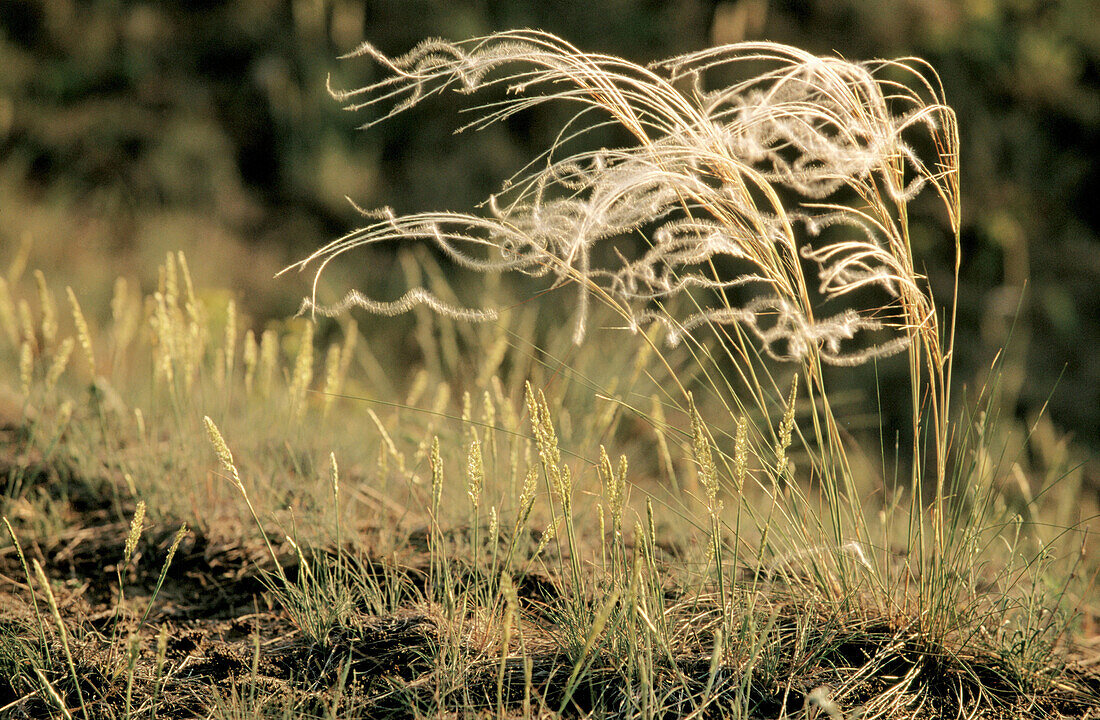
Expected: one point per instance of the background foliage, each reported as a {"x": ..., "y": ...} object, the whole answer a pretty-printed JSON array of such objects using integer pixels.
[{"x": 128, "y": 129}]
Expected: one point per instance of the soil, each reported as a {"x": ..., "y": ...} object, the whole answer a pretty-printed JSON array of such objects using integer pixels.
[{"x": 226, "y": 643}]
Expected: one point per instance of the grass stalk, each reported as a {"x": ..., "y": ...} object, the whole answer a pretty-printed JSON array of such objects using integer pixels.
[{"x": 63, "y": 634}]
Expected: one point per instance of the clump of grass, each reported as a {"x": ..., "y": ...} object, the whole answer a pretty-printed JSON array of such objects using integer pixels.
[
  {"x": 760, "y": 582},
  {"x": 736, "y": 189},
  {"x": 773, "y": 212}
]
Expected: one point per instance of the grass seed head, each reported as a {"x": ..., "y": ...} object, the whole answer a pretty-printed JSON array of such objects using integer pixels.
[
  {"x": 614, "y": 488},
  {"x": 334, "y": 474},
  {"x": 47, "y": 308},
  {"x": 230, "y": 337},
  {"x": 786, "y": 430},
  {"x": 26, "y": 368},
  {"x": 303, "y": 370},
  {"x": 191, "y": 303},
  {"x": 708, "y": 471},
  {"x": 82, "y": 333},
  {"x": 347, "y": 352},
  {"x": 331, "y": 385},
  {"x": 64, "y": 415},
  {"x": 221, "y": 449},
  {"x": 135, "y": 532},
  {"x": 8, "y": 321},
  {"x": 741, "y": 454},
  {"x": 59, "y": 363},
  {"x": 527, "y": 497},
  {"x": 26, "y": 321},
  {"x": 269, "y": 360},
  {"x": 475, "y": 473},
  {"x": 180, "y": 534},
  {"x": 126, "y": 314},
  {"x": 171, "y": 281},
  {"x": 489, "y": 410},
  {"x": 250, "y": 355}
]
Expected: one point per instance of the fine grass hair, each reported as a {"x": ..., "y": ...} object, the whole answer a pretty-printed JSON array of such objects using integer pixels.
[
  {"x": 800, "y": 166},
  {"x": 711, "y": 177}
]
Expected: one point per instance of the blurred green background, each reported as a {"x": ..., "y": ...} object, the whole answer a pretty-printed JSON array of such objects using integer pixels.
[{"x": 131, "y": 128}]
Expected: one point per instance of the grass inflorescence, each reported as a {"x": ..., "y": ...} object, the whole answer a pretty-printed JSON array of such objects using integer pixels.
[{"x": 206, "y": 517}]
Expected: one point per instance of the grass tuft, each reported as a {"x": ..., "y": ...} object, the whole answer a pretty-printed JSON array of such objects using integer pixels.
[{"x": 478, "y": 549}]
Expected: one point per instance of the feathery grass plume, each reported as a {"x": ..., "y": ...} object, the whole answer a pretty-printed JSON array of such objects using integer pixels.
[
  {"x": 26, "y": 369},
  {"x": 132, "y": 538},
  {"x": 807, "y": 165},
  {"x": 707, "y": 169},
  {"x": 82, "y": 333},
  {"x": 47, "y": 308},
  {"x": 601, "y": 517},
  {"x": 708, "y": 476},
  {"x": 249, "y": 356},
  {"x": 8, "y": 322}
]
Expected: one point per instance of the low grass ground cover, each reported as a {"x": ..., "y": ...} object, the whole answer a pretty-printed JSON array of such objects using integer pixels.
[{"x": 667, "y": 518}]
